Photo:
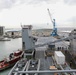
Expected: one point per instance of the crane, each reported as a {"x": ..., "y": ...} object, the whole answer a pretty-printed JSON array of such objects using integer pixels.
[
  {"x": 55, "y": 41},
  {"x": 54, "y": 32}
]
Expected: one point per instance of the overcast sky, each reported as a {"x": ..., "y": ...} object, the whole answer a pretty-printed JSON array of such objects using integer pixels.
[{"x": 13, "y": 13}]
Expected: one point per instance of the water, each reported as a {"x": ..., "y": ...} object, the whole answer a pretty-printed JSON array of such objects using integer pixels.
[
  {"x": 67, "y": 29},
  {"x": 6, "y": 47}
]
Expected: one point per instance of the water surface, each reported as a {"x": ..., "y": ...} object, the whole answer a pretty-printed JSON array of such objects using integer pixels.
[{"x": 7, "y": 47}]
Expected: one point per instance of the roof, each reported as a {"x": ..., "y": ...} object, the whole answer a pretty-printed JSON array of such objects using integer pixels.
[
  {"x": 13, "y": 30},
  {"x": 27, "y": 26}
]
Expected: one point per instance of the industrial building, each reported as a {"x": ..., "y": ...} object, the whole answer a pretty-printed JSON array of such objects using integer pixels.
[
  {"x": 13, "y": 33},
  {"x": 1, "y": 31}
]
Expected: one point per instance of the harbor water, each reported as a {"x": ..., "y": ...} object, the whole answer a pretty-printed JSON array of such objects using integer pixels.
[{"x": 7, "y": 47}]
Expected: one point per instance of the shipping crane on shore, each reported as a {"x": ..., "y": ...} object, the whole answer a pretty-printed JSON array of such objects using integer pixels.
[{"x": 54, "y": 32}]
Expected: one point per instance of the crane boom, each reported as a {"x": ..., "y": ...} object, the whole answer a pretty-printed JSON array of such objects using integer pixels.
[
  {"x": 48, "y": 43},
  {"x": 50, "y": 15}
]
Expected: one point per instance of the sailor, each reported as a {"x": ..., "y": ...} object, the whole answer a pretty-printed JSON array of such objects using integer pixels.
[
  {"x": 62, "y": 48},
  {"x": 45, "y": 54},
  {"x": 70, "y": 63},
  {"x": 11, "y": 56},
  {"x": 58, "y": 48}
]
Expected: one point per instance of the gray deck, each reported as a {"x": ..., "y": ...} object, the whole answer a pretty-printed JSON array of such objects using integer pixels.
[{"x": 45, "y": 63}]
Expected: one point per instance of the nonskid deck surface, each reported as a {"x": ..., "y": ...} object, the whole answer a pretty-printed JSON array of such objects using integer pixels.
[{"x": 45, "y": 63}]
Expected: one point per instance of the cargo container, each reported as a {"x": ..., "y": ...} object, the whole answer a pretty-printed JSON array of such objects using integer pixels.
[{"x": 59, "y": 57}]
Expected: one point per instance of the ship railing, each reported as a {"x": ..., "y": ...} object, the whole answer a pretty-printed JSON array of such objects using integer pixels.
[
  {"x": 38, "y": 67},
  {"x": 45, "y": 71}
]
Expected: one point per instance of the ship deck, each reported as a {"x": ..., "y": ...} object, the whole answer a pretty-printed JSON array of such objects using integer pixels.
[{"x": 46, "y": 62}]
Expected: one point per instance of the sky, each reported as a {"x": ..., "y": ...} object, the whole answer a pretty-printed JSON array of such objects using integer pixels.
[{"x": 14, "y": 13}]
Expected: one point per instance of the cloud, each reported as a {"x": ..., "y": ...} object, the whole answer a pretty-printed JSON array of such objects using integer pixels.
[
  {"x": 41, "y": 1},
  {"x": 72, "y": 19},
  {"x": 5, "y": 4},
  {"x": 70, "y": 2}
]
